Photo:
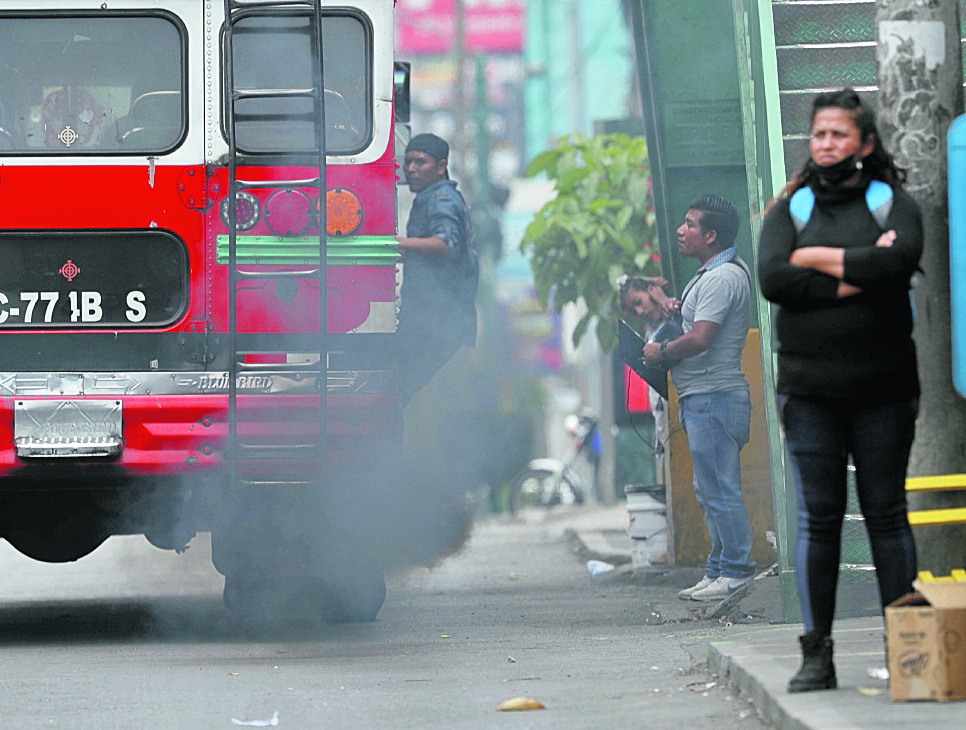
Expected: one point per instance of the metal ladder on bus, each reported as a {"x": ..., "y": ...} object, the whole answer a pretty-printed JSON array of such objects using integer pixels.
[{"x": 237, "y": 452}]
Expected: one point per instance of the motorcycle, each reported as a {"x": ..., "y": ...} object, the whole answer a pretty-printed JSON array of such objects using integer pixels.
[{"x": 548, "y": 482}]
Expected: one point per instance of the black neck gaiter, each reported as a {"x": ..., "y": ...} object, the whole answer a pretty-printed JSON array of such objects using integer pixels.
[{"x": 834, "y": 174}]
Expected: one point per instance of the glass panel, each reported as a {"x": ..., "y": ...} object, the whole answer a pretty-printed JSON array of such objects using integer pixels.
[
  {"x": 276, "y": 53},
  {"x": 85, "y": 85}
]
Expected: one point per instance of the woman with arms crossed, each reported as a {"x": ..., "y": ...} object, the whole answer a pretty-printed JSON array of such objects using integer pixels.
[{"x": 836, "y": 255}]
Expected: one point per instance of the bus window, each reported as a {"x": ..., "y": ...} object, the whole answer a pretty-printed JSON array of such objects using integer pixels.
[
  {"x": 81, "y": 85},
  {"x": 275, "y": 53}
]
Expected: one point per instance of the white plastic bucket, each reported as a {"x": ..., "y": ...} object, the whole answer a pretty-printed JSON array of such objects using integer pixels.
[{"x": 646, "y": 526}]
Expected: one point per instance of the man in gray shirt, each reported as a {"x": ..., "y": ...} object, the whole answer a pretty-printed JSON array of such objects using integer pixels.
[{"x": 715, "y": 406}]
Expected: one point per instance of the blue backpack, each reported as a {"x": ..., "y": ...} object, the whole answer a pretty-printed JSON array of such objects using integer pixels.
[{"x": 878, "y": 196}]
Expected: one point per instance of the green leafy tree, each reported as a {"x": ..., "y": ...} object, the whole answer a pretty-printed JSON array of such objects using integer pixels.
[{"x": 599, "y": 226}]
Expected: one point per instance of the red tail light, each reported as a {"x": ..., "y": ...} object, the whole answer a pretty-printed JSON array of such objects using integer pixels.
[{"x": 288, "y": 212}]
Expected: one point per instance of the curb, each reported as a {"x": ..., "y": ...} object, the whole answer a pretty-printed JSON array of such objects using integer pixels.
[
  {"x": 592, "y": 545},
  {"x": 764, "y": 698}
]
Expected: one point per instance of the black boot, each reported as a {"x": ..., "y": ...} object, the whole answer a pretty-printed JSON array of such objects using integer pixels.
[{"x": 817, "y": 670}]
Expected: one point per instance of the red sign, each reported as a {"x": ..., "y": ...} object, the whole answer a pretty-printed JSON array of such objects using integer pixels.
[
  {"x": 636, "y": 391},
  {"x": 429, "y": 26}
]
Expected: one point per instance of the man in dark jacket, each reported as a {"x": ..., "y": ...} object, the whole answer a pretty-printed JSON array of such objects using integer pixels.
[{"x": 437, "y": 313}]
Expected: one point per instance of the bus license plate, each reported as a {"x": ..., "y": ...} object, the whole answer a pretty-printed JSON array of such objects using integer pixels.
[{"x": 58, "y": 428}]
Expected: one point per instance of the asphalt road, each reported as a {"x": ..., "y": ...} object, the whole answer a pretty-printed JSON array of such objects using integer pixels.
[{"x": 133, "y": 637}]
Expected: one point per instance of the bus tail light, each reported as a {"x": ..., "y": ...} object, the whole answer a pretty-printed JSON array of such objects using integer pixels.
[
  {"x": 343, "y": 212},
  {"x": 288, "y": 212},
  {"x": 247, "y": 211}
]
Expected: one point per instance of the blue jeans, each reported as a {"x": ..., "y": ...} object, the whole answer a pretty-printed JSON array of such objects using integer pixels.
[
  {"x": 821, "y": 433},
  {"x": 717, "y": 426}
]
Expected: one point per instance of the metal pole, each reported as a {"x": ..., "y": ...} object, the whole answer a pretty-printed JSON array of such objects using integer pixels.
[
  {"x": 655, "y": 152},
  {"x": 577, "y": 70},
  {"x": 459, "y": 86}
]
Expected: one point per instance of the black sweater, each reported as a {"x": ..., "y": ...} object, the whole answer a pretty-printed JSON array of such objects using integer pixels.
[{"x": 851, "y": 347}]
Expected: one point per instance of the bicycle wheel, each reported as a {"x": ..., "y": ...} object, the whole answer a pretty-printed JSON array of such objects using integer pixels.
[{"x": 541, "y": 488}]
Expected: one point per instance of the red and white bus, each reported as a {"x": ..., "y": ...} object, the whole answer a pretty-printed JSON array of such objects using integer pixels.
[{"x": 160, "y": 373}]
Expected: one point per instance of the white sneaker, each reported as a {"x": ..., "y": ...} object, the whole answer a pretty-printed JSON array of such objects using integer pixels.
[
  {"x": 686, "y": 594},
  {"x": 720, "y": 588}
]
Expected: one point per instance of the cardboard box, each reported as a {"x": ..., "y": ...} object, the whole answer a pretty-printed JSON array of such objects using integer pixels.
[{"x": 926, "y": 642}]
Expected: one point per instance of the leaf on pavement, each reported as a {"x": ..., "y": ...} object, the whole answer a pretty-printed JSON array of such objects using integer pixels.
[{"x": 520, "y": 703}]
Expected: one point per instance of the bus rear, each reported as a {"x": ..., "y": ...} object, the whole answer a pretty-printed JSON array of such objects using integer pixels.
[{"x": 161, "y": 372}]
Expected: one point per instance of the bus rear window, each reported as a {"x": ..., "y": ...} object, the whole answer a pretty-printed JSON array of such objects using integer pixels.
[
  {"x": 90, "y": 85},
  {"x": 276, "y": 53}
]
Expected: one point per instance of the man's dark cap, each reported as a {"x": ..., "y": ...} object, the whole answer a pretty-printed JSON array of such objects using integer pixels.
[{"x": 435, "y": 147}]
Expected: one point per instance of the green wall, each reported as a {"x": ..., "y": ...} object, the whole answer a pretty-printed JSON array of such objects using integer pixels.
[{"x": 695, "y": 118}]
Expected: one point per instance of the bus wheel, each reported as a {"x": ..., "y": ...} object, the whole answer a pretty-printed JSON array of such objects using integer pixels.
[
  {"x": 246, "y": 599},
  {"x": 262, "y": 602},
  {"x": 355, "y": 597}
]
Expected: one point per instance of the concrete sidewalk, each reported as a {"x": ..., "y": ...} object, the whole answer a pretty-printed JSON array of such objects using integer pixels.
[
  {"x": 759, "y": 661},
  {"x": 761, "y": 656}
]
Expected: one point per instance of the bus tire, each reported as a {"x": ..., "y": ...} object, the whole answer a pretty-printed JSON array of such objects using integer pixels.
[{"x": 356, "y": 598}]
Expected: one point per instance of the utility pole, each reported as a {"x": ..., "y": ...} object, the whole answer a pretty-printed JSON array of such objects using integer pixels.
[
  {"x": 486, "y": 224},
  {"x": 577, "y": 69},
  {"x": 459, "y": 87},
  {"x": 920, "y": 92}
]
